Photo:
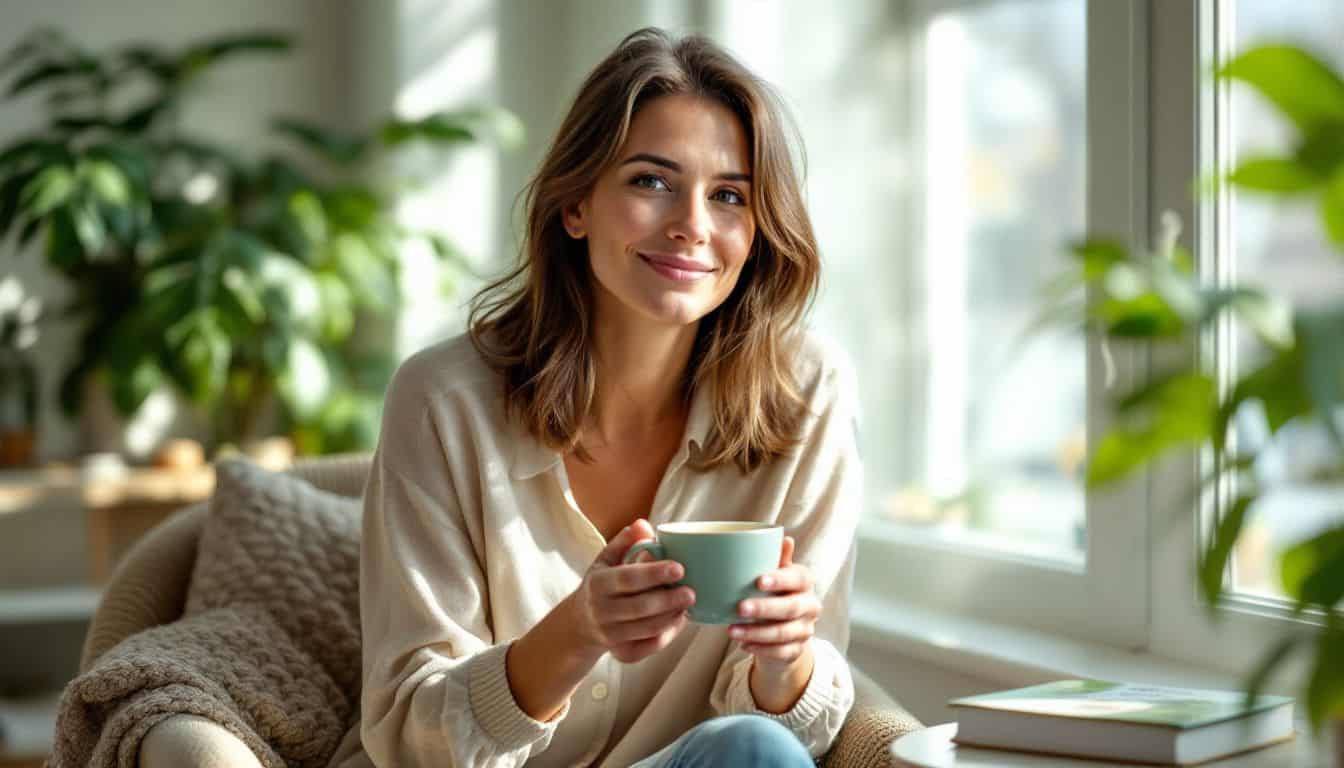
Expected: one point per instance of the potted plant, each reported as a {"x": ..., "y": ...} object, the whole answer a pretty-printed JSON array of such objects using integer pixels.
[
  {"x": 239, "y": 282},
  {"x": 1297, "y": 377}
]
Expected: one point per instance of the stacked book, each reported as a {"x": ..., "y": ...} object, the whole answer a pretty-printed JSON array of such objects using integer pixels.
[{"x": 1123, "y": 721}]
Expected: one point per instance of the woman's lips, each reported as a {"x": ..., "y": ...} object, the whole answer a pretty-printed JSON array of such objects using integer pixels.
[{"x": 677, "y": 270}]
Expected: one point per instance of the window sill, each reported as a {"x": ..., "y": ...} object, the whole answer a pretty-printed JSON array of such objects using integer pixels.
[{"x": 1012, "y": 657}]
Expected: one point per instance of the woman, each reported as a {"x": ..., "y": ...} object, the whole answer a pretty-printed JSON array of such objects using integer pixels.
[{"x": 643, "y": 364}]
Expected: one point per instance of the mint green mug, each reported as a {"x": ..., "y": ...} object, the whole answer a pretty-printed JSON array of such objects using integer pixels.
[{"x": 722, "y": 560}]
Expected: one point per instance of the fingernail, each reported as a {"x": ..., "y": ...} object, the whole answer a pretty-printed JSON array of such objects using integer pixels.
[
  {"x": 672, "y": 572},
  {"x": 737, "y": 632},
  {"x": 767, "y": 582},
  {"x": 748, "y": 609}
]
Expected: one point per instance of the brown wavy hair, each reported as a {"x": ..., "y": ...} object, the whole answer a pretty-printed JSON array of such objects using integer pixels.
[{"x": 534, "y": 325}]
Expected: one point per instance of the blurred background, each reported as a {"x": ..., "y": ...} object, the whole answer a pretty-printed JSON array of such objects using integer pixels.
[{"x": 280, "y": 201}]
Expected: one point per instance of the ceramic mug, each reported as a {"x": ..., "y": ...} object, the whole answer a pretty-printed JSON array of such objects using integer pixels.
[{"x": 722, "y": 561}]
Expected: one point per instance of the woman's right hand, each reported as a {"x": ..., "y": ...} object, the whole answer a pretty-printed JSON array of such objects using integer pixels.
[{"x": 625, "y": 610}]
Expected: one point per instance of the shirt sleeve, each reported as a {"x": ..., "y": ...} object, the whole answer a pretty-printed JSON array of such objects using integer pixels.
[
  {"x": 435, "y": 690},
  {"x": 821, "y": 512}
]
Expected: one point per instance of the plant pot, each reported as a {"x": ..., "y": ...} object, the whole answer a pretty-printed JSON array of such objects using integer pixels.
[{"x": 18, "y": 408}]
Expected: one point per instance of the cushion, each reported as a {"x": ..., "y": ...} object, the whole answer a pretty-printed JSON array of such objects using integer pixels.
[{"x": 269, "y": 644}]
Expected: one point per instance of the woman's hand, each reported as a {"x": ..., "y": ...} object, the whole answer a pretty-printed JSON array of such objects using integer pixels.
[
  {"x": 627, "y": 610},
  {"x": 785, "y": 621},
  {"x": 780, "y": 641}
]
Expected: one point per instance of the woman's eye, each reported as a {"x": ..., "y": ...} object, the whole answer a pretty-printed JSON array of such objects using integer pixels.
[
  {"x": 735, "y": 198},
  {"x": 647, "y": 180}
]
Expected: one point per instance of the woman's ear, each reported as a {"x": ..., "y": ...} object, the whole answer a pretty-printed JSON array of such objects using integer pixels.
[{"x": 572, "y": 217}]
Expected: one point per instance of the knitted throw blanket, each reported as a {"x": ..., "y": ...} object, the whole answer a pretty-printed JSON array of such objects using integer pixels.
[{"x": 269, "y": 644}]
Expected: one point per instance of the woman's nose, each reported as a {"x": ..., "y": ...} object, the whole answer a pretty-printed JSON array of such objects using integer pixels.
[{"x": 690, "y": 220}]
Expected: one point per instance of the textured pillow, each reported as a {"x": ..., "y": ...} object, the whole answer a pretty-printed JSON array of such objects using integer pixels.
[
  {"x": 269, "y": 645},
  {"x": 273, "y": 540}
]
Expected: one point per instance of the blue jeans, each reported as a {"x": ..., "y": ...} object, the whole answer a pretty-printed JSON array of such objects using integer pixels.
[{"x": 733, "y": 741}]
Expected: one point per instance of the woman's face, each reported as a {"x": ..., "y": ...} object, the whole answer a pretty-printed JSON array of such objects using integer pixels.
[{"x": 670, "y": 224}]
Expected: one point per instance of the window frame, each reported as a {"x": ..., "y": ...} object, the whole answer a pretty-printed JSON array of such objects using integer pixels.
[
  {"x": 1163, "y": 123},
  {"x": 1087, "y": 600}
]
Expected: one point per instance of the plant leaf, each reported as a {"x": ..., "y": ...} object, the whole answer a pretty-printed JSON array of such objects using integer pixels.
[
  {"x": 1279, "y": 175},
  {"x": 1332, "y": 209},
  {"x": 1177, "y": 411},
  {"x": 1322, "y": 339},
  {"x": 108, "y": 182},
  {"x": 1279, "y": 383},
  {"x": 1269, "y": 661},
  {"x": 1097, "y": 255},
  {"x": 305, "y": 383},
  {"x": 1305, "y": 89},
  {"x": 1325, "y": 690},
  {"x": 48, "y": 190},
  {"x": 339, "y": 149},
  {"x": 49, "y": 71},
  {"x": 1213, "y": 561},
  {"x": 1312, "y": 571}
]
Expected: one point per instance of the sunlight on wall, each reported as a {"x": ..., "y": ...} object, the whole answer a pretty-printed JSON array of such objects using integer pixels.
[
  {"x": 945, "y": 254},
  {"x": 446, "y": 58}
]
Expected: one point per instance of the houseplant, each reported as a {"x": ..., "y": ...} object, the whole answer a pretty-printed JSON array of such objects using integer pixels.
[
  {"x": 238, "y": 281},
  {"x": 1297, "y": 378}
]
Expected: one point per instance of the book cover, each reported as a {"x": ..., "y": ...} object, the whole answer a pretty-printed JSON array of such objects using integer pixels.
[{"x": 1181, "y": 708}]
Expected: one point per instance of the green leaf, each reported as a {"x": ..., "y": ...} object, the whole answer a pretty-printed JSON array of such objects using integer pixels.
[
  {"x": 1322, "y": 339},
  {"x": 1280, "y": 175},
  {"x": 203, "y": 353},
  {"x": 1305, "y": 89},
  {"x": 439, "y": 128},
  {"x": 49, "y": 71},
  {"x": 132, "y": 386},
  {"x": 1174, "y": 412},
  {"x": 90, "y": 229},
  {"x": 1279, "y": 384},
  {"x": 241, "y": 288},
  {"x": 1321, "y": 150},
  {"x": 305, "y": 384},
  {"x": 1098, "y": 255},
  {"x": 1142, "y": 317},
  {"x": 1325, "y": 690},
  {"x": 290, "y": 293},
  {"x": 1270, "y": 317},
  {"x": 64, "y": 249},
  {"x": 49, "y": 189},
  {"x": 337, "y": 148},
  {"x": 306, "y": 209},
  {"x": 368, "y": 276},
  {"x": 212, "y": 51},
  {"x": 338, "y": 308},
  {"x": 1269, "y": 662},
  {"x": 1312, "y": 571},
  {"x": 1332, "y": 208},
  {"x": 107, "y": 181},
  {"x": 142, "y": 118},
  {"x": 1213, "y": 561}
]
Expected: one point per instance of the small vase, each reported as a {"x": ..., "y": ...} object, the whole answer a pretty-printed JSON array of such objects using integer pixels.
[{"x": 18, "y": 408}]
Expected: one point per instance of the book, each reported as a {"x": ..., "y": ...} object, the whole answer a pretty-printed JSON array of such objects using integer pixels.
[{"x": 1123, "y": 721}]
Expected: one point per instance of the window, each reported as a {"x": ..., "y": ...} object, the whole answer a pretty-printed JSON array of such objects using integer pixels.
[
  {"x": 955, "y": 147},
  {"x": 948, "y": 167}
]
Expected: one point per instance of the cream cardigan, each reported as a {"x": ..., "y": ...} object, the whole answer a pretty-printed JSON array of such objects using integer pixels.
[{"x": 471, "y": 535}]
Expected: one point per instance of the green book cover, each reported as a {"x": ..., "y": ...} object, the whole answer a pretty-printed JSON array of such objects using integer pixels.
[{"x": 1127, "y": 702}]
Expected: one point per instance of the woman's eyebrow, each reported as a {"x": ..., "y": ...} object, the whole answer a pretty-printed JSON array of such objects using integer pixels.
[{"x": 675, "y": 166}]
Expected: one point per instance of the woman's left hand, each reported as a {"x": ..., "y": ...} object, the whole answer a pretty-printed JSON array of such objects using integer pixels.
[{"x": 786, "y": 620}]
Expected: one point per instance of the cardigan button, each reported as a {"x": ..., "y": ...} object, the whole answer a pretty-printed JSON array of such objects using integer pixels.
[{"x": 599, "y": 691}]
